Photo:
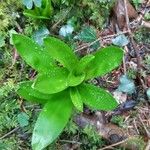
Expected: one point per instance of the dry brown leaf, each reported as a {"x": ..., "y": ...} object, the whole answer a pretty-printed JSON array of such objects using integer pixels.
[{"x": 119, "y": 13}]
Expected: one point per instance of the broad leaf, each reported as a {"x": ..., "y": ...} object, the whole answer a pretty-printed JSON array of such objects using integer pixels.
[
  {"x": 84, "y": 62},
  {"x": 105, "y": 60},
  {"x": 126, "y": 85},
  {"x": 76, "y": 98},
  {"x": 53, "y": 82},
  {"x": 75, "y": 79},
  {"x": 66, "y": 30},
  {"x": 23, "y": 119},
  {"x": 47, "y": 8},
  {"x": 61, "y": 52},
  {"x": 120, "y": 40},
  {"x": 38, "y": 3},
  {"x": 36, "y": 14},
  {"x": 40, "y": 34},
  {"x": 88, "y": 34},
  {"x": 32, "y": 53},
  {"x": 28, "y": 3},
  {"x": 27, "y": 92},
  {"x": 96, "y": 97},
  {"x": 51, "y": 121}
]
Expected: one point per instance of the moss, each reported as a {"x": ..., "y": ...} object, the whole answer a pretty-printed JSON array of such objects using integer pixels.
[
  {"x": 7, "y": 13},
  {"x": 142, "y": 36}
]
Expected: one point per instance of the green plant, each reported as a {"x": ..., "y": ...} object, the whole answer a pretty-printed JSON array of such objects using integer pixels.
[
  {"x": 131, "y": 73},
  {"x": 137, "y": 3},
  {"x": 147, "y": 16},
  {"x": 142, "y": 36},
  {"x": 61, "y": 83},
  {"x": 42, "y": 9},
  {"x": 118, "y": 120}
]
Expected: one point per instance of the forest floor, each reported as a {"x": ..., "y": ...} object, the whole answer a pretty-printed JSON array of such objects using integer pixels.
[{"x": 85, "y": 26}]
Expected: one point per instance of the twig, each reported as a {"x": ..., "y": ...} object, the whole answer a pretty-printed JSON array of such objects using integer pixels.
[
  {"x": 59, "y": 21},
  {"x": 116, "y": 144},
  {"x": 113, "y": 35},
  {"x": 145, "y": 128},
  {"x": 15, "y": 56},
  {"x": 19, "y": 27},
  {"x": 137, "y": 53},
  {"x": 148, "y": 146},
  {"x": 72, "y": 142},
  {"x": 99, "y": 39},
  {"x": 145, "y": 24},
  {"x": 139, "y": 20},
  {"x": 134, "y": 45},
  {"x": 127, "y": 17},
  {"x": 83, "y": 47},
  {"x": 124, "y": 61},
  {"x": 135, "y": 125},
  {"x": 9, "y": 133}
]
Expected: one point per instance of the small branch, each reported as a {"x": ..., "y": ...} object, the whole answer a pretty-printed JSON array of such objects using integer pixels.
[
  {"x": 134, "y": 45},
  {"x": 137, "y": 54},
  {"x": 124, "y": 61},
  {"x": 72, "y": 142},
  {"x": 83, "y": 47},
  {"x": 9, "y": 133},
  {"x": 127, "y": 17},
  {"x": 148, "y": 146},
  {"x": 135, "y": 125},
  {"x": 145, "y": 24},
  {"x": 145, "y": 128},
  {"x": 116, "y": 144},
  {"x": 99, "y": 39},
  {"x": 114, "y": 35},
  {"x": 19, "y": 27},
  {"x": 59, "y": 21}
]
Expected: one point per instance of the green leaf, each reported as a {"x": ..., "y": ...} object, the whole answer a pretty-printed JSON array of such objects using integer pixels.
[
  {"x": 66, "y": 30},
  {"x": 32, "y": 53},
  {"x": 126, "y": 85},
  {"x": 105, "y": 60},
  {"x": 27, "y": 92},
  {"x": 40, "y": 34},
  {"x": 11, "y": 32},
  {"x": 148, "y": 93},
  {"x": 84, "y": 62},
  {"x": 61, "y": 52},
  {"x": 43, "y": 12},
  {"x": 120, "y": 40},
  {"x": 28, "y": 3},
  {"x": 2, "y": 40},
  {"x": 53, "y": 82},
  {"x": 51, "y": 121},
  {"x": 23, "y": 119},
  {"x": 75, "y": 79},
  {"x": 38, "y": 3},
  {"x": 47, "y": 8},
  {"x": 76, "y": 98},
  {"x": 36, "y": 14},
  {"x": 137, "y": 3},
  {"x": 88, "y": 34},
  {"x": 97, "y": 98}
]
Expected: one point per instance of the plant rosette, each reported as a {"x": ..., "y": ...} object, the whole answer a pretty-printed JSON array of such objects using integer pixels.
[{"x": 61, "y": 83}]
